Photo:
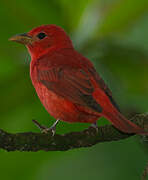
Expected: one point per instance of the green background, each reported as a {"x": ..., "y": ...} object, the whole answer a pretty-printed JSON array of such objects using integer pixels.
[{"x": 114, "y": 35}]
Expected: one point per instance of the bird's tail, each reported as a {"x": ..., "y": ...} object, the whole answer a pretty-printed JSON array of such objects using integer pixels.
[{"x": 123, "y": 124}]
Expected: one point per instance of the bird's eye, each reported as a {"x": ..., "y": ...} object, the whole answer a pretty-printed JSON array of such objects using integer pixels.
[{"x": 41, "y": 35}]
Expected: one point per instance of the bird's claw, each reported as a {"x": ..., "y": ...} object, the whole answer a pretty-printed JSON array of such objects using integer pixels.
[
  {"x": 49, "y": 130},
  {"x": 95, "y": 126},
  {"x": 46, "y": 130}
]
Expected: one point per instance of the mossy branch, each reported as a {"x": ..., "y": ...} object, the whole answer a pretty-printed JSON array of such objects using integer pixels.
[{"x": 30, "y": 141}]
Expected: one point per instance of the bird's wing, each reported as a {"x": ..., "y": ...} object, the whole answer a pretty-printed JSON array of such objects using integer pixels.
[
  {"x": 103, "y": 86},
  {"x": 70, "y": 83}
]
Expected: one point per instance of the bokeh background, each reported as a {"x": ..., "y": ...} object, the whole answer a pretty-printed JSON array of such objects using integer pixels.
[{"x": 114, "y": 35}]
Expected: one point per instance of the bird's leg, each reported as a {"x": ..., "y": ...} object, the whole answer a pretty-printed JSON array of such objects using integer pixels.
[
  {"x": 53, "y": 127},
  {"x": 46, "y": 130},
  {"x": 95, "y": 126}
]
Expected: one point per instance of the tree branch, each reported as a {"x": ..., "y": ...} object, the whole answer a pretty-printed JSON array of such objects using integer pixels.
[{"x": 30, "y": 141}]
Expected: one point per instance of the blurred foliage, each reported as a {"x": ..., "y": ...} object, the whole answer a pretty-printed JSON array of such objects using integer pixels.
[{"x": 113, "y": 34}]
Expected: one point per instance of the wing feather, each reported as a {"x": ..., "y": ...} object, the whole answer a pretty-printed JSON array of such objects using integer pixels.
[{"x": 70, "y": 83}]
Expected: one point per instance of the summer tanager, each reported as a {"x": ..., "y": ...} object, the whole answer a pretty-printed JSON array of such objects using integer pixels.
[{"x": 67, "y": 83}]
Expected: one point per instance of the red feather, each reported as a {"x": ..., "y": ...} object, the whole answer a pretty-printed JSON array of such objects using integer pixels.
[{"x": 67, "y": 83}]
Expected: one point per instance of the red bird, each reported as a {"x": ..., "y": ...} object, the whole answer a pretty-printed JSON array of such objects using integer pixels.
[{"x": 67, "y": 83}]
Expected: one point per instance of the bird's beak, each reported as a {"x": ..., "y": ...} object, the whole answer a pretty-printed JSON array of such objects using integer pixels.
[{"x": 22, "y": 38}]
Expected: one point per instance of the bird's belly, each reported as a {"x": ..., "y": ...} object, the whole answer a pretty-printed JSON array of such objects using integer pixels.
[{"x": 60, "y": 108}]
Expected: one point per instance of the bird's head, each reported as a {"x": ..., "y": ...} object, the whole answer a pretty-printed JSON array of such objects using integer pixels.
[{"x": 42, "y": 39}]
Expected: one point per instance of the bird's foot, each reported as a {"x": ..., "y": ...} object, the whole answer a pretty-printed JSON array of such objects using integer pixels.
[
  {"x": 95, "y": 126},
  {"x": 45, "y": 129}
]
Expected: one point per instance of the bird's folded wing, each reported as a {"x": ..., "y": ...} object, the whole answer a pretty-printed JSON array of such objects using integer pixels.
[
  {"x": 71, "y": 84},
  {"x": 103, "y": 86}
]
